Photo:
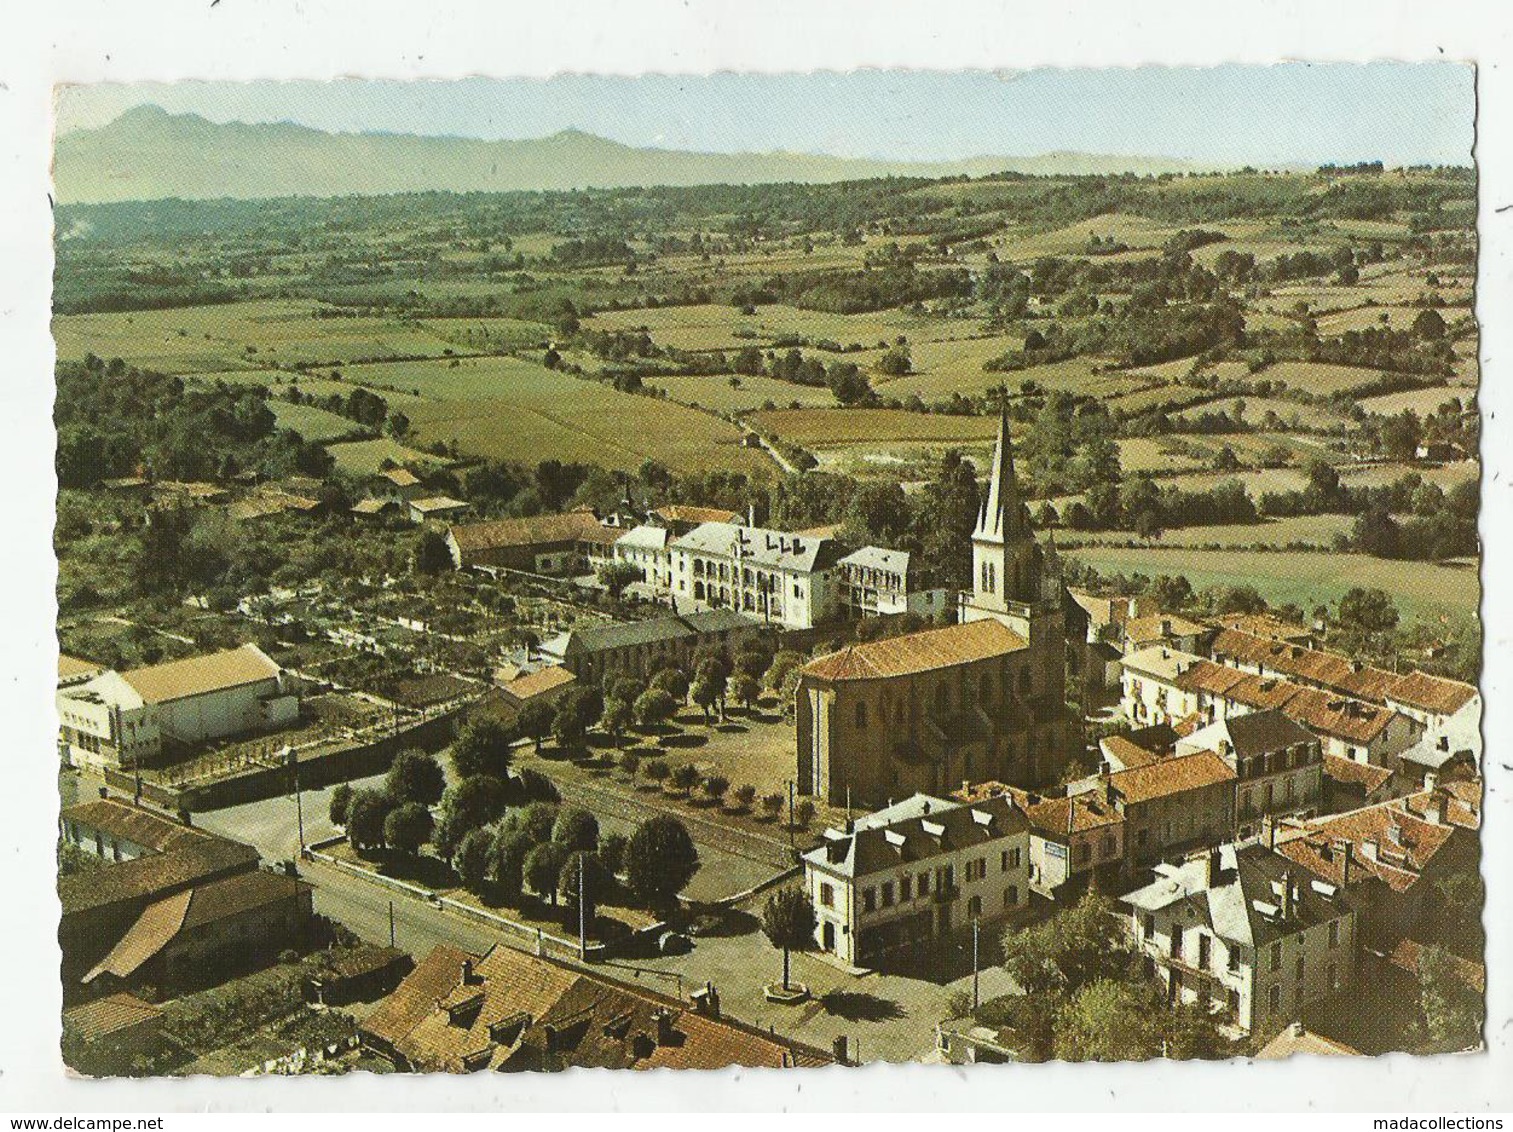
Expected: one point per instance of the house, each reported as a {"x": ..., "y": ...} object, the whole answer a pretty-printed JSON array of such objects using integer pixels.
[
  {"x": 1107, "y": 615},
  {"x": 435, "y": 509},
  {"x": 152, "y": 857},
  {"x": 680, "y": 518},
  {"x": 876, "y": 582},
  {"x": 1140, "y": 747},
  {"x": 111, "y": 1032},
  {"x": 545, "y": 685},
  {"x": 128, "y": 718},
  {"x": 397, "y": 485},
  {"x": 1278, "y": 762},
  {"x": 782, "y": 579},
  {"x": 266, "y": 502},
  {"x": 922, "y": 711},
  {"x": 646, "y": 549},
  {"x": 1162, "y": 629},
  {"x": 1071, "y": 836},
  {"x": 915, "y": 871},
  {"x": 376, "y": 508},
  {"x": 1349, "y": 785},
  {"x": 1151, "y": 688},
  {"x": 1389, "y": 856},
  {"x": 74, "y": 670},
  {"x": 508, "y": 1011},
  {"x": 1169, "y": 805},
  {"x": 1268, "y": 625},
  {"x": 1297, "y": 1038},
  {"x": 544, "y": 544},
  {"x": 598, "y": 654},
  {"x": 1245, "y": 933}
]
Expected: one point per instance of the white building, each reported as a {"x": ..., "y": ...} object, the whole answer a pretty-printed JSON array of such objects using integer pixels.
[
  {"x": 1279, "y": 764},
  {"x": 914, "y": 871},
  {"x": 782, "y": 579},
  {"x": 876, "y": 581},
  {"x": 1150, "y": 688},
  {"x": 646, "y": 548},
  {"x": 127, "y": 718},
  {"x": 1245, "y": 933}
]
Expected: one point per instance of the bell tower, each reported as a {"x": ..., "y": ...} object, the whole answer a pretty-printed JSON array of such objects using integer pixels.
[{"x": 1008, "y": 566}]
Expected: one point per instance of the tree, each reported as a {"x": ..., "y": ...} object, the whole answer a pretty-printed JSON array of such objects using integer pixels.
[
  {"x": 772, "y": 806},
  {"x": 654, "y": 706},
  {"x": 576, "y": 828},
  {"x": 365, "y": 818},
  {"x": 511, "y": 847},
  {"x": 612, "y": 851},
  {"x": 408, "y": 827},
  {"x": 1429, "y": 325},
  {"x": 783, "y": 662},
  {"x": 1366, "y": 611},
  {"x": 660, "y": 860},
  {"x": 582, "y": 871},
  {"x": 472, "y": 858},
  {"x": 1107, "y": 1020},
  {"x": 1065, "y": 951},
  {"x": 482, "y": 747},
  {"x": 684, "y": 778},
  {"x": 615, "y": 576},
  {"x": 624, "y": 689},
  {"x": 656, "y": 771},
  {"x": 803, "y": 813},
  {"x": 746, "y": 689},
  {"x": 1172, "y": 593},
  {"x": 706, "y": 693},
  {"x": 673, "y": 681},
  {"x": 535, "y": 721},
  {"x": 432, "y": 555},
  {"x": 1377, "y": 533},
  {"x": 896, "y": 362},
  {"x": 470, "y": 804},
  {"x": 543, "y": 867},
  {"x": 1453, "y": 1012},
  {"x": 415, "y": 776},
  {"x": 341, "y": 803},
  {"x": 536, "y": 821},
  {"x": 714, "y": 788},
  {"x": 744, "y": 795},
  {"x": 630, "y": 763},
  {"x": 788, "y": 922}
]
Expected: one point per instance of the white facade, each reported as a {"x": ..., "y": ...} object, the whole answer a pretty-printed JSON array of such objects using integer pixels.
[
  {"x": 779, "y": 578},
  {"x": 646, "y": 549},
  {"x": 1149, "y": 692},
  {"x": 918, "y": 870}
]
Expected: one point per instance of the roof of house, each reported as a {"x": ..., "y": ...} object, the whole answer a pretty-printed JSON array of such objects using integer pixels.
[
  {"x": 540, "y": 682},
  {"x": 1241, "y": 901},
  {"x": 500, "y": 534},
  {"x": 1171, "y": 776},
  {"x": 433, "y": 504},
  {"x": 1353, "y": 720},
  {"x": 778, "y": 550},
  {"x": 126, "y": 822},
  {"x": 1408, "y": 954},
  {"x": 400, "y": 477},
  {"x": 1206, "y": 676},
  {"x": 688, "y": 513},
  {"x": 1296, "y": 1039},
  {"x": 920, "y": 828},
  {"x": 154, "y": 874},
  {"x": 198, "y": 675},
  {"x": 512, "y": 1009},
  {"x": 615, "y": 635},
  {"x": 109, "y": 1015},
  {"x": 1126, "y": 751},
  {"x": 644, "y": 537},
  {"x": 1404, "y": 845},
  {"x": 373, "y": 506},
  {"x": 963, "y": 643},
  {"x": 1351, "y": 773},
  {"x": 1161, "y": 662},
  {"x": 1058, "y": 817},
  {"x": 1264, "y": 625},
  {"x": 159, "y": 922},
  {"x": 1155, "y": 626},
  {"x": 878, "y": 558},
  {"x": 1432, "y": 693},
  {"x": 1254, "y": 733},
  {"x": 76, "y": 668}
]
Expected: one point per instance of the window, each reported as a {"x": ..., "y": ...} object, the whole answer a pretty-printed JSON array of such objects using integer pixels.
[
  {"x": 888, "y": 894},
  {"x": 1014, "y": 859},
  {"x": 1205, "y": 951},
  {"x": 1234, "y": 957},
  {"x": 974, "y": 906},
  {"x": 905, "y": 889},
  {"x": 869, "y": 899},
  {"x": 1334, "y": 977},
  {"x": 1003, "y": 860},
  {"x": 1176, "y": 941},
  {"x": 1150, "y": 926},
  {"x": 1011, "y": 896},
  {"x": 861, "y": 714},
  {"x": 1276, "y": 956},
  {"x": 977, "y": 869},
  {"x": 1334, "y": 933},
  {"x": 1108, "y": 844},
  {"x": 827, "y": 895},
  {"x": 1302, "y": 968},
  {"x": 924, "y": 884},
  {"x": 1274, "y": 998}
]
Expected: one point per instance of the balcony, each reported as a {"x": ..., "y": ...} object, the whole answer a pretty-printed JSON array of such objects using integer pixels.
[{"x": 944, "y": 894}]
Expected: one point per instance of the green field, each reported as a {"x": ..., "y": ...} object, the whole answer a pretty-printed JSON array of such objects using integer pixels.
[
  {"x": 715, "y": 392},
  {"x": 1291, "y": 413},
  {"x": 1311, "y": 530},
  {"x": 366, "y": 457},
  {"x": 311, "y": 423},
  {"x": 239, "y": 336},
  {"x": 1320, "y": 377},
  {"x": 822, "y": 428},
  {"x": 513, "y": 409},
  {"x": 1306, "y": 578},
  {"x": 1422, "y": 401}
]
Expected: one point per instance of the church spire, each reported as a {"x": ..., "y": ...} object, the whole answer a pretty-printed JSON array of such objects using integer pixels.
[{"x": 1002, "y": 515}]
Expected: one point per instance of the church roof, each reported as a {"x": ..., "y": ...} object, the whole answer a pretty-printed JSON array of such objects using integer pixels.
[
  {"x": 962, "y": 643},
  {"x": 1003, "y": 513}
]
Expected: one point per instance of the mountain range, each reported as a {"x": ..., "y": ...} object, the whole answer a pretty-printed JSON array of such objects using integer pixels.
[{"x": 149, "y": 154}]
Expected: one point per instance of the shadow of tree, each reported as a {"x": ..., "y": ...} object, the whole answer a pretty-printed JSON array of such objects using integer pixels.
[{"x": 858, "y": 1006}]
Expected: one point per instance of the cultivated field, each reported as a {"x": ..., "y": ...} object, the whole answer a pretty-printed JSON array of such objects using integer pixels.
[{"x": 823, "y": 428}]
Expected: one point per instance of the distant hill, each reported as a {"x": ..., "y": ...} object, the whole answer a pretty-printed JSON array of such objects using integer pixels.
[{"x": 148, "y": 154}]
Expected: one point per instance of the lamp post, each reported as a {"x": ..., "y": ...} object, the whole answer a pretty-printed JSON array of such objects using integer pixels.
[{"x": 299, "y": 806}]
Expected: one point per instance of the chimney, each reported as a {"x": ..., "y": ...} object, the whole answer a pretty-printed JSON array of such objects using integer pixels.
[
  {"x": 706, "y": 1001},
  {"x": 1286, "y": 894},
  {"x": 1369, "y": 849},
  {"x": 838, "y": 1048},
  {"x": 1166, "y": 626},
  {"x": 1431, "y": 781},
  {"x": 1434, "y": 809},
  {"x": 1213, "y": 866},
  {"x": 663, "y": 1019},
  {"x": 469, "y": 978},
  {"x": 1347, "y": 858}
]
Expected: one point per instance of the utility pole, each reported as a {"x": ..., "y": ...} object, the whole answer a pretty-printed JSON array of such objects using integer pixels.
[
  {"x": 974, "y": 964},
  {"x": 790, "y": 813},
  {"x": 582, "y": 915},
  {"x": 299, "y": 805},
  {"x": 391, "y": 923}
]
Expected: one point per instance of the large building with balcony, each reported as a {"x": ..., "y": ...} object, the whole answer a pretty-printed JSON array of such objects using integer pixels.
[
  {"x": 1278, "y": 762},
  {"x": 915, "y": 871},
  {"x": 876, "y": 582},
  {"x": 1246, "y": 934},
  {"x": 784, "y": 580}
]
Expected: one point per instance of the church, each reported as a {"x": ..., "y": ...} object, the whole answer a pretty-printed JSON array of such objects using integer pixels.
[{"x": 983, "y": 699}]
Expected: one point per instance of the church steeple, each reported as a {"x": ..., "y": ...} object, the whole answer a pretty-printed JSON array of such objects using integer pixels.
[{"x": 1003, "y": 517}]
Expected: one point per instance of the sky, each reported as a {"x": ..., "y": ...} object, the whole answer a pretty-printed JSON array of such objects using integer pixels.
[{"x": 1400, "y": 113}]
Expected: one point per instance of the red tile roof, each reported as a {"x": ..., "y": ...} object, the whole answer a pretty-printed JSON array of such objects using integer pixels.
[
  {"x": 1408, "y": 954},
  {"x": 499, "y": 534},
  {"x": 197, "y": 675},
  {"x": 1371, "y": 778},
  {"x": 1171, "y": 776},
  {"x": 918, "y": 652},
  {"x": 110, "y": 1015}
]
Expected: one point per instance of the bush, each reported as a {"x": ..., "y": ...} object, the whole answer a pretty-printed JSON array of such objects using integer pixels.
[
  {"x": 772, "y": 805},
  {"x": 341, "y": 804},
  {"x": 715, "y": 786},
  {"x": 803, "y": 813},
  {"x": 744, "y": 796},
  {"x": 685, "y": 778}
]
